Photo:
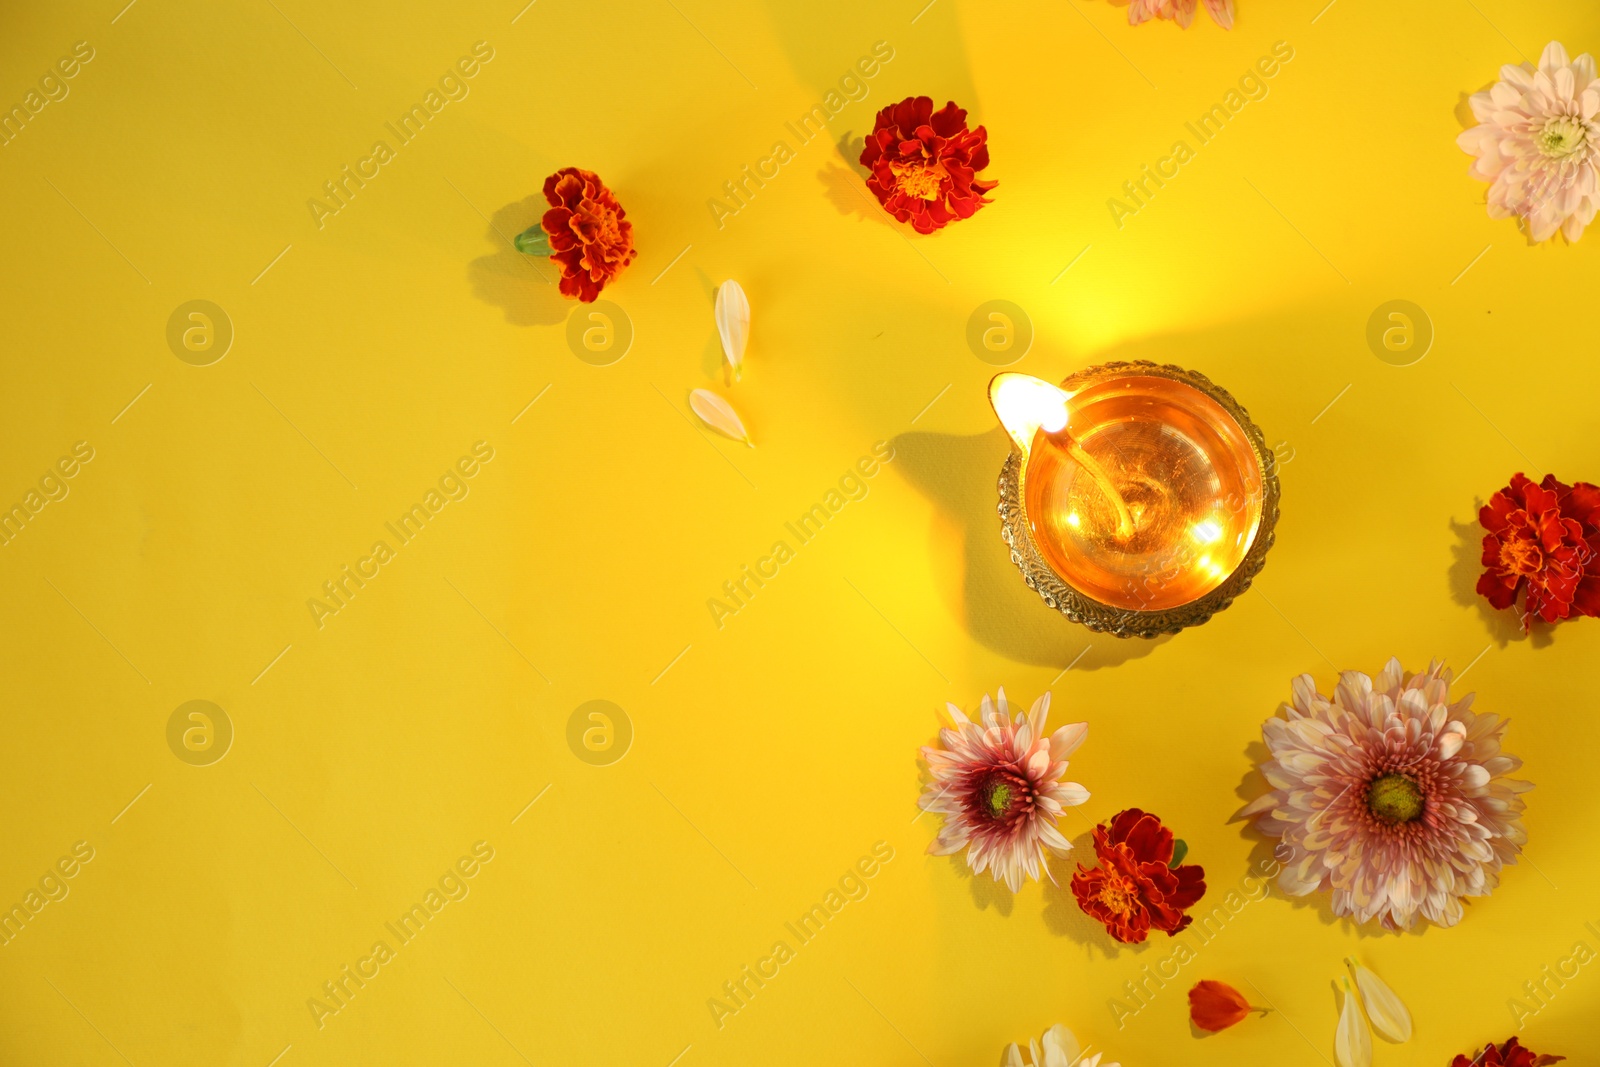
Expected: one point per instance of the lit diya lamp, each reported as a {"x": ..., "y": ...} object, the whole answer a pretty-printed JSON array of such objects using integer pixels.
[{"x": 1139, "y": 499}]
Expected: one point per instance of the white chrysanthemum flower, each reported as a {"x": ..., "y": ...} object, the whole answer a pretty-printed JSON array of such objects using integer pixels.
[
  {"x": 998, "y": 784},
  {"x": 1538, "y": 143},
  {"x": 1390, "y": 796},
  {"x": 1060, "y": 1049}
]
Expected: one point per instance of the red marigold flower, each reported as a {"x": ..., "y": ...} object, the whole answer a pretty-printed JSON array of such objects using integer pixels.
[
  {"x": 1510, "y": 1054},
  {"x": 924, "y": 163},
  {"x": 1216, "y": 1006},
  {"x": 1543, "y": 541},
  {"x": 590, "y": 235},
  {"x": 1137, "y": 888}
]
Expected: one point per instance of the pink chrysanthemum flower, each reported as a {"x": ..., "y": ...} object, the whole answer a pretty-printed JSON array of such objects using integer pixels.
[
  {"x": 998, "y": 784},
  {"x": 1538, "y": 143},
  {"x": 1390, "y": 796},
  {"x": 1180, "y": 11}
]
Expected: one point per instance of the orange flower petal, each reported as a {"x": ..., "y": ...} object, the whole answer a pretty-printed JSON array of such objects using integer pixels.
[{"x": 1216, "y": 1006}]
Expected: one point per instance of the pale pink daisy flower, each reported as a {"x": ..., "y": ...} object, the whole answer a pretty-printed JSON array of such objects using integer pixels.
[
  {"x": 1180, "y": 11},
  {"x": 1538, "y": 143},
  {"x": 998, "y": 784},
  {"x": 1391, "y": 796}
]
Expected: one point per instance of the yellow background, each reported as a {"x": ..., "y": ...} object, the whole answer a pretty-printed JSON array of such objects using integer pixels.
[{"x": 428, "y": 713}]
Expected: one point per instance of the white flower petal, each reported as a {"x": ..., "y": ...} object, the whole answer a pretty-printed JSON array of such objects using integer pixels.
[
  {"x": 1038, "y": 714},
  {"x": 718, "y": 414},
  {"x": 1052, "y": 838},
  {"x": 1060, "y": 1047},
  {"x": 733, "y": 324},
  {"x": 1388, "y": 1013},
  {"x": 1065, "y": 741},
  {"x": 1071, "y": 794},
  {"x": 1352, "y": 1044}
]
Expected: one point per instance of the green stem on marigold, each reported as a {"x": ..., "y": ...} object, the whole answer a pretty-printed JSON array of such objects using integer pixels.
[{"x": 533, "y": 241}]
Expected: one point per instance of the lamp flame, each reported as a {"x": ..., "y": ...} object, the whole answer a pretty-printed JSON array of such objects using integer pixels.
[{"x": 1025, "y": 405}]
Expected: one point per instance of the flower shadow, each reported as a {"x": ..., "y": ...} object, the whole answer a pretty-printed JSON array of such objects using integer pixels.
[
  {"x": 846, "y": 187},
  {"x": 522, "y": 286},
  {"x": 986, "y": 892},
  {"x": 850, "y": 146},
  {"x": 849, "y": 195},
  {"x": 937, "y": 65},
  {"x": 1065, "y": 919},
  {"x": 1502, "y": 627},
  {"x": 959, "y": 474}
]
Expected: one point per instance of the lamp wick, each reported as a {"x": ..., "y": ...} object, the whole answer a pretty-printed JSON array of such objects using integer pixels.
[{"x": 1102, "y": 480}]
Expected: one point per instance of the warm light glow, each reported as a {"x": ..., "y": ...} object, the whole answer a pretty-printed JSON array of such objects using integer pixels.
[
  {"x": 1026, "y": 405},
  {"x": 1148, "y": 500}
]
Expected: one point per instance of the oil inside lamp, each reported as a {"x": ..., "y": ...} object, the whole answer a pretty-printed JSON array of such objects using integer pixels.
[{"x": 1141, "y": 492}]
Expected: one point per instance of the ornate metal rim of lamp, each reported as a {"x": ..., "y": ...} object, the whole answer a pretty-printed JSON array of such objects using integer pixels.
[{"x": 1173, "y": 465}]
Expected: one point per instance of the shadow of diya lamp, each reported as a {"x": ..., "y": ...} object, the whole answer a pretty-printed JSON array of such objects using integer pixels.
[{"x": 1138, "y": 499}]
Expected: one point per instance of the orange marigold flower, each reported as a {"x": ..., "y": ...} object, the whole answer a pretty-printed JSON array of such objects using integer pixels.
[
  {"x": 1142, "y": 883},
  {"x": 590, "y": 236},
  {"x": 1543, "y": 541},
  {"x": 924, "y": 163}
]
